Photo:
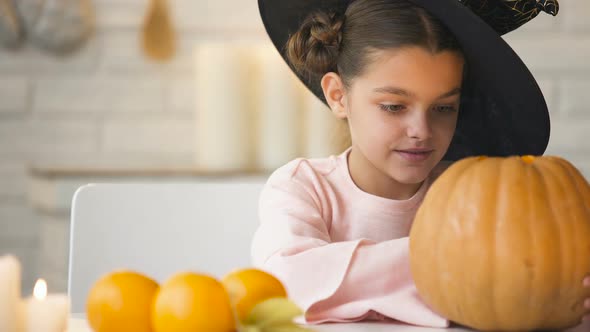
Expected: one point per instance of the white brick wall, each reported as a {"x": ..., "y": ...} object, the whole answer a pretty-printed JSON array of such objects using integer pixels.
[
  {"x": 107, "y": 103},
  {"x": 54, "y": 251},
  {"x": 19, "y": 236},
  {"x": 32, "y": 62},
  {"x": 14, "y": 94},
  {"x": 162, "y": 135},
  {"x": 63, "y": 135},
  {"x": 575, "y": 97},
  {"x": 104, "y": 94},
  {"x": 554, "y": 52},
  {"x": 575, "y": 17},
  {"x": 16, "y": 222},
  {"x": 226, "y": 15},
  {"x": 570, "y": 136},
  {"x": 550, "y": 91},
  {"x": 14, "y": 138},
  {"x": 180, "y": 95},
  {"x": 13, "y": 177}
]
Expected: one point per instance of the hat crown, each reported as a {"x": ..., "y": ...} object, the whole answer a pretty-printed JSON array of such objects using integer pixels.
[{"x": 507, "y": 15}]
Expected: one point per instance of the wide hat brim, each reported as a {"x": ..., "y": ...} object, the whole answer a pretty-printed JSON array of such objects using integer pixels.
[{"x": 503, "y": 111}]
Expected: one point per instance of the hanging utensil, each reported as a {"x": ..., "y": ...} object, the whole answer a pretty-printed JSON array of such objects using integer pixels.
[
  {"x": 58, "y": 26},
  {"x": 158, "y": 37},
  {"x": 10, "y": 26}
]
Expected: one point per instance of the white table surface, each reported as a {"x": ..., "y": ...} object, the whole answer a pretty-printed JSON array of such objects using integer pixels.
[{"x": 79, "y": 325}]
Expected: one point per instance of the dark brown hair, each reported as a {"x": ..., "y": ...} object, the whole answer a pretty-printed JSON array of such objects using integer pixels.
[{"x": 343, "y": 42}]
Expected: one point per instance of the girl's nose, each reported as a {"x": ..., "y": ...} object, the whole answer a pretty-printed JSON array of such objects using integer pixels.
[{"x": 418, "y": 126}]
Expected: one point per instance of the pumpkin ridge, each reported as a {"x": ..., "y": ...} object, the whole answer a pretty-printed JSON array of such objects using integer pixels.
[
  {"x": 448, "y": 302},
  {"x": 467, "y": 217},
  {"x": 499, "y": 194},
  {"x": 570, "y": 212},
  {"x": 493, "y": 242},
  {"x": 533, "y": 240},
  {"x": 494, "y": 245},
  {"x": 510, "y": 236},
  {"x": 565, "y": 259},
  {"x": 439, "y": 267},
  {"x": 467, "y": 176},
  {"x": 540, "y": 178},
  {"x": 486, "y": 174},
  {"x": 442, "y": 188},
  {"x": 574, "y": 174},
  {"x": 578, "y": 180}
]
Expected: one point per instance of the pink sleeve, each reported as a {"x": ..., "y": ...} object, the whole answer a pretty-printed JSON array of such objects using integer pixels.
[{"x": 338, "y": 281}]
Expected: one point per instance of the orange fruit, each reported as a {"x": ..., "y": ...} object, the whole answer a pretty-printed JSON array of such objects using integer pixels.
[
  {"x": 248, "y": 287},
  {"x": 192, "y": 302},
  {"x": 121, "y": 301}
]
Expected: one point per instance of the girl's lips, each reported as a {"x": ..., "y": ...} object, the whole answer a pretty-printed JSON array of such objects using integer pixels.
[{"x": 414, "y": 155}]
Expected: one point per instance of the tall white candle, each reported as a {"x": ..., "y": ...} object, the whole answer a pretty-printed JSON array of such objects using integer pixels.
[
  {"x": 11, "y": 308},
  {"x": 223, "y": 115},
  {"x": 47, "y": 313},
  {"x": 324, "y": 133},
  {"x": 280, "y": 111}
]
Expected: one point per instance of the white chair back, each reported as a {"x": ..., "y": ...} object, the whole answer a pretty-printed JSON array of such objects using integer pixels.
[{"x": 160, "y": 229}]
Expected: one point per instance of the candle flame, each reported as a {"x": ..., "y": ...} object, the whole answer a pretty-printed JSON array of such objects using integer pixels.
[{"x": 40, "y": 290}]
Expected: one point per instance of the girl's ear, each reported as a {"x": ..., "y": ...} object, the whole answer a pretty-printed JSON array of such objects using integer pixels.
[{"x": 335, "y": 94}]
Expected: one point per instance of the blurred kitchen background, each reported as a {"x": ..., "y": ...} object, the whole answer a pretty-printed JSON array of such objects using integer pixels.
[{"x": 107, "y": 109}]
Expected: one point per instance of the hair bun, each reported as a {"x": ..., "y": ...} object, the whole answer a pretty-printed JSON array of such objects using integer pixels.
[
  {"x": 327, "y": 29},
  {"x": 314, "y": 48}
]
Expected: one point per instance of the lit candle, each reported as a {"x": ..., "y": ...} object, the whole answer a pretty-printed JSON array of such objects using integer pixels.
[
  {"x": 11, "y": 307},
  {"x": 47, "y": 313}
]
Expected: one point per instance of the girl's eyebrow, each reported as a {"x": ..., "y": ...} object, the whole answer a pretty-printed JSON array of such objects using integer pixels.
[{"x": 399, "y": 91}]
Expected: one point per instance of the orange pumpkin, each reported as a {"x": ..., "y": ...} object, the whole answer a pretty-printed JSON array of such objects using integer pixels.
[{"x": 503, "y": 244}]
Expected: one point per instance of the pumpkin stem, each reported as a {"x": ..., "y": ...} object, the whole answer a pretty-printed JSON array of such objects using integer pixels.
[{"x": 528, "y": 159}]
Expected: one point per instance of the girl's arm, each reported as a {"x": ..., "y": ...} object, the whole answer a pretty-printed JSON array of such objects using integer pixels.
[{"x": 333, "y": 281}]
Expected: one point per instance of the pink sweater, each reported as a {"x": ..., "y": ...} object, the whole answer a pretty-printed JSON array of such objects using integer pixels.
[{"x": 341, "y": 253}]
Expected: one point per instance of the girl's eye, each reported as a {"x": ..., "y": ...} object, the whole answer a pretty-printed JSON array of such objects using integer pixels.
[
  {"x": 445, "y": 109},
  {"x": 391, "y": 108}
]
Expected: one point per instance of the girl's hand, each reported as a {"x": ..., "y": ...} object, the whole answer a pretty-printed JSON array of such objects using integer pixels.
[
  {"x": 587, "y": 301},
  {"x": 585, "y": 325}
]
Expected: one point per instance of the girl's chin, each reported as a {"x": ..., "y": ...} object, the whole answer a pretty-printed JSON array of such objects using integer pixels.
[{"x": 410, "y": 175}]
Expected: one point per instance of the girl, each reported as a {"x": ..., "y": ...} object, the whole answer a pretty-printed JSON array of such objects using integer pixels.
[{"x": 335, "y": 230}]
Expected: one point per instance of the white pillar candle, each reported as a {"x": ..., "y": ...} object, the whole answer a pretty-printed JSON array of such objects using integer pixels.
[
  {"x": 11, "y": 308},
  {"x": 223, "y": 115},
  {"x": 47, "y": 313},
  {"x": 324, "y": 133},
  {"x": 280, "y": 111}
]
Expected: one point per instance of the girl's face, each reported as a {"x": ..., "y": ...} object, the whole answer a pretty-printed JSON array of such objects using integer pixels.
[{"x": 402, "y": 112}]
